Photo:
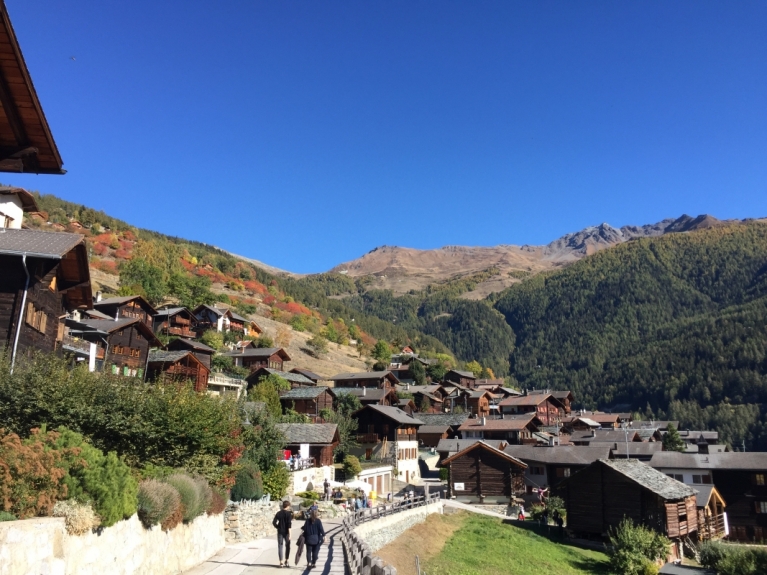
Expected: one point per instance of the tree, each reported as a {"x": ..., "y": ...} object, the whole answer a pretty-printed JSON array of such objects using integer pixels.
[
  {"x": 263, "y": 441},
  {"x": 347, "y": 430},
  {"x": 266, "y": 391},
  {"x": 213, "y": 338},
  {"x": 487, "y": 373},
  {"x": 318, "y": 345},
  {"x": 437, "y": 371},
  {"x": 248, "y": 483},
  {"x": 283, "y": 336},
  {"x": 475, "y": 368},
  {"x": 425, "y": 405},
  {"x": 672, "y": 441},
  {"x": 148, "y": 278},
  {"x": 352, "y": 467},
  {"x": 382, "y": 352},
  {"x": 264, "y": 341},
  {"x": 418, "y": 371}
]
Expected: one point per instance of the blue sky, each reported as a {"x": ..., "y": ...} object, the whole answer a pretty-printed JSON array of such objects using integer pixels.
[{"x": 306, "y": 133}]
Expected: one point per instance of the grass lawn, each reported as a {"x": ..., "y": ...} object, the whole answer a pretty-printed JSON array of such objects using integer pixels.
[{"x": 487, "y": 546}]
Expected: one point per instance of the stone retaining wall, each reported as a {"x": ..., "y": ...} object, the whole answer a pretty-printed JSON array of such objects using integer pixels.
[
  {"x": 249, "y": 520},
  {"x": 42, "y": 546},
  {"x": 380, "y": 532}
]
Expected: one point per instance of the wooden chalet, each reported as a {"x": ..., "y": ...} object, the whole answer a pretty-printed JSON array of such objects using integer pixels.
[
  {"x": 322, "y": 439},
  {"x": 128, "y": 307},
  {"x": 200, "y": 350},
  {"x": 176, "y": 321},
  {"x": 476, "y": 402},
  {"x": 256, "y": 358},
  {"x": 252, "y": 329},
  {"x": 740, "y": 479},
  {"x": 452, "y": 420},
  {"x": 483, "y": 474},
  {"x": 237, "y": 322},
  {"x": 407, "y": 405},
  {"x": 122, "y": 346},
  {"x": 309, "y": 401},
  {"x": 462, "y": 378},
  {"x": 579, "y": 423},
  {"x": 368, "y": 396},
  {"x": 598, "y": 497},
  {"x": 372, "y": 379},
  {"x": 548, "y": 409},
  {"x": 388, "y": 432},
  {"x": 44, "y": 275},
  {"x": 14, "y": 203},
  {"x": 212, "y": 318},
  {"x": 449, "y": 447},
  {"x": 431, "y": 435},
  {"x": 26, "y": 142},
  {"x": 308, "y": 374},
  {"x": 512, "y": 429},
  {"x": 178, "y": 366},
  {"x": 711, "y": 508},
  {"x": 563, "y": 397},
  {"x": 432, "y": 401},
  {"x": 295, "y": 380},
  {"x": 549, "y": 465}
]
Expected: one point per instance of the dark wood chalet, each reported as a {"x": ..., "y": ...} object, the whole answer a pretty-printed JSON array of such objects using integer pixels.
[
  {"x": 548, "y": 466},
  {"x": 309, "y": 401},
  {"x": 176, "y": 321},
  {"x": 462, "y": 378},
  {"x": 598, "y": 497},
  {"x": 426, "y": 402},
  {"x": 711, "y": 507},
  {"x": 373, "y": 379},
  {"x": 548, "y": 409},
  {"x": 564, "y": 397},
  {"x": 322, "y": 439},
  {"x": 452, "y": 420},
  {"x": 130, "y": 307},
  {"x": 740, "y": 478},
  {"x": 368, "y": 396},
  {"x": 511, "y": 428},
  {"x": 476, "y": 402},
  {"x": 407, "y": 405},
  {"x": 237, "y": 322},
  {"x": 294, "y": 379},
  {"x": 200, "y": 350},
  {"x": 431, "y": 435},
  {"x": 26, "y": 142},
  {"x": 43, "y": 275},
  {"x": 377, "y": 423},
  {"x": 256, "y": 358},
  {"x": 483, "y": 474},
  {"x": 122, "y": 346},
  {"x": 178, "y": 366},
  {"x": 212, "y": 318}
]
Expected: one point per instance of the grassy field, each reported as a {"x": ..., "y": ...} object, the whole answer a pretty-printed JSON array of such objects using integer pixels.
[{"x": 469, "y": 544}]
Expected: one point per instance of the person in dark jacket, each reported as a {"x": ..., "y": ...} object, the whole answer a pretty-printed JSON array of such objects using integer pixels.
[
  {"x": 283, "y": 521},
  {"x": 315, "y": 535}
]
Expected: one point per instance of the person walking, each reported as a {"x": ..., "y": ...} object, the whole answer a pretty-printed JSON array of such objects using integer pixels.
[
  {"x": 327, "y": 490},
  {"x": 314, "y": 534},
  {"x": 283, "y": 521}
]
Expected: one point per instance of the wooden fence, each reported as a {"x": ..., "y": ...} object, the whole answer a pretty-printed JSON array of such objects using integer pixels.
[{"x": 360, "y": 559}]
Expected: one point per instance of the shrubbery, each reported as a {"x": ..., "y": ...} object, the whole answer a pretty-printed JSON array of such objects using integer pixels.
[
  {"x": 733, "y": 559},
  {"x": 636, "y": 548},
  {"x": 248, "y": 483},
  {"x": 352, "y": 467},
  {"x": 195, "y": 496},
  {"x": 78, "y": 517},
  {"x": 276, "y": 481},
  {"x": 157, "y": 502}
]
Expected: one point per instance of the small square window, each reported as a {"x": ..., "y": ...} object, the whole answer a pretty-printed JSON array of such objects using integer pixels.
[
  {"x": 759, "y": 478},
  {"x": 761, "y": 506}
]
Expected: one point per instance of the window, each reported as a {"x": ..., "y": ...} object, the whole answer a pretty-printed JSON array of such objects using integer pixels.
[
  {"x": 696, "y": 479},
  {"x": 761, "y": 506},
  {"x": 707, "y": 479},
  {"x": 563, "y": 472},
  {"x": 36, "y": 318},
  {"x": 759, "y": 478},
  {"x": 536, "y": 471},
  {"x": 369, "y": 453}
]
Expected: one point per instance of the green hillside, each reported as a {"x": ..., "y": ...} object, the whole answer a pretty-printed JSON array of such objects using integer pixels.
[{"x": 676, "y": 325}]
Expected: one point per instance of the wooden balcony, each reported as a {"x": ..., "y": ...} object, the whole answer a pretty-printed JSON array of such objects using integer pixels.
[
  {"x": 407, "y": 437},
  {"x": 711, "y": 527},
  {"x": 368, "y": 438},
  {"x": 180, "y": 331}
]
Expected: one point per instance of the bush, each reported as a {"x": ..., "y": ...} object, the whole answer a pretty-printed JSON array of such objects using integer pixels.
[
  {"x": 104, "y": 481},
  {"x": 711, "y": 552},
  {"x": 5, "y": 516},
  {"x": 157, "y": 502},
  {"x": 79, "y": 518},
  {"x": 352, "y": 466},
  {"x": 31, "y": 474},
  {"x": 217, "y": 503},
  {"x": 161, "y": 424},
  {"x": 310, "y": 495},
  {"x": 633, "y": 546},
  {"x": 732, "y": 559},
  {"x": 248, "y": 483},
  {"x": 193, "y": 497},
  {"x": 443, "y": 474},
  {"x": 536, "y": 511},
  {"x": 276, "y": 481}
]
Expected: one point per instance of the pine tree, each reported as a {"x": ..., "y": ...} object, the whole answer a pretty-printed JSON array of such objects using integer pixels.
[{"x": 672, "y": 441}]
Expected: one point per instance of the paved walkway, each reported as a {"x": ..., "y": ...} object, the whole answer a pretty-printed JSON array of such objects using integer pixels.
[
  {"x": 260, "y": 556},
  {"x": 472, "y": 508}
]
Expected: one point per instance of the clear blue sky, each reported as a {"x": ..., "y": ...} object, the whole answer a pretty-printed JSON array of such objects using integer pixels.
[{"x": 306, "y": 133}]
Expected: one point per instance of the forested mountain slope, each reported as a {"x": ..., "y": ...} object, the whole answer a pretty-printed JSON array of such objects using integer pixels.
[{"x": 677, "y": 324}]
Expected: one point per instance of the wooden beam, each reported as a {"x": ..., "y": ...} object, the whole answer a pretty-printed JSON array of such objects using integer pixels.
[{"x": 12, "y": 114}]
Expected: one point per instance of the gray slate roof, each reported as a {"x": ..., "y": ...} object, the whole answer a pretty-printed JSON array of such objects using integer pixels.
[
  {"x": 756, "y": 461},
  {"x": 109, "y": 325},
  {"x": 451, "y": 446},
  {"x": 703, "y": 495},
  {"x": 451, "y": 419},
  {"x": 602, "y": 436},
  {"x": 304, "y": 392},
  {"x": 637, "y": 448},
  {"x": 649, "y": 478},
  {"x": 254, "y": 352},
  {"x": 368, "y": 395},
  {"x": 292, "y": 377},
  {"x": 322, "y": 433},
  {"x": 395, "y": 414},
  {"x": 559, "y": 454},
  {"x": 160, "y": 356},
  {"x": 170, "y": 311},
  {"x": 433, "y": 429},
  {"x": 37, "y": 243},
  {"x": 362, "y": 375},
  {"x": 194, "y": 344}
]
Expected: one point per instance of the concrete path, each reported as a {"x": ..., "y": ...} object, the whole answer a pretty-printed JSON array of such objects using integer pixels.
[
  {"x": 260, "y": 556},
  {"x": 473, "y": 509}
]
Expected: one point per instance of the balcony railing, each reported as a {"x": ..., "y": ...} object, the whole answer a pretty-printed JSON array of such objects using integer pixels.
[
  {"x": 407, "y": 437},
  {"x": 712, "y": 527},
  {"x": 300, "y": 464},
  {"x": 180, "y": 331},
  {"x": 367, "y": 438}
]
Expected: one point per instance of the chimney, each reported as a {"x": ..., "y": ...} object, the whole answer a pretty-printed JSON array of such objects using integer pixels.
[
  {"x": 364, "y": 391},
  {"x": 483, "y": 420},
  {"x": 98, "y": 296},
  {"x": 593, "y": 433}
]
